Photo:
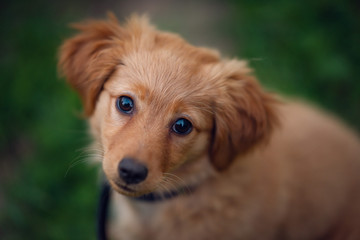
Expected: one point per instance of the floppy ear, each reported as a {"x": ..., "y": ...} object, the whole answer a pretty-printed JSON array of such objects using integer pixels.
[
  {"x": 88, "y": 59},
  {"x": 244, "y": 114}
]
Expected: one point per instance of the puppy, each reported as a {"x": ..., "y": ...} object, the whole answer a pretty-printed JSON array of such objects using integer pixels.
[{"x": 220, "y": 157}]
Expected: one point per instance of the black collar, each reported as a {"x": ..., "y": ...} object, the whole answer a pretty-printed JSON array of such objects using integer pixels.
[{"x": 102, "y": 211}]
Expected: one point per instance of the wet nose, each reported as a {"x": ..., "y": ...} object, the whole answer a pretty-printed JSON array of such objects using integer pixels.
[{"x": 132, "y": 171}]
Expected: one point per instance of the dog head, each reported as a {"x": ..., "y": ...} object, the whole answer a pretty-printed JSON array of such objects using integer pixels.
[{"x": 156, "y": 103}]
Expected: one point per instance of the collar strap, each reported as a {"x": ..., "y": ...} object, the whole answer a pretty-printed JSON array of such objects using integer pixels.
[
  {"x": 158, "y": 197},
  {"x": 102, "y": 211}
]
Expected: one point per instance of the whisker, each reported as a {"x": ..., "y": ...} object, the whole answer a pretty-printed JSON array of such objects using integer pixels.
[
  {"x": 166, "y": 190},
  {"x": 86, "y": 154},
  {"x": 169, "y": 182},
  {"x": 173, "y": 175},
  {"x": 75, "y": 164},
  {"x": 176, "y": 178},
  {"x": 181, "y": 182}
]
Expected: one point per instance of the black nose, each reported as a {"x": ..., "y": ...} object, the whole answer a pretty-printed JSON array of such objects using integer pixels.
[{"x": 131, "y": 171}]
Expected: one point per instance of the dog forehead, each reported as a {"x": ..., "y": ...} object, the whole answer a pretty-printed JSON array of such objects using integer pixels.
[
  {"x": 157, "y": 73},
  {"x": 159, "y": 67}
]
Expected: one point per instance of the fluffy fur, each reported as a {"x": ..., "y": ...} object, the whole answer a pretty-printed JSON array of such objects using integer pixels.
[{"x": 258, "y": 167}]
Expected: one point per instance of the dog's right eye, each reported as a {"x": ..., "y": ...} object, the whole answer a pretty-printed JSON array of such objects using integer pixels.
[
  {"x": 125, "y": 104},
  {"x": 182, "y": 126}
]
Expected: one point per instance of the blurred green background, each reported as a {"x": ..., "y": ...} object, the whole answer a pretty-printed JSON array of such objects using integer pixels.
[{"x": 309, "y": 49}]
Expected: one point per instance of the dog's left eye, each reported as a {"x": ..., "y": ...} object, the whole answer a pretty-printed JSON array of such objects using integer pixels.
[
  {"x": 125, "y": 104},
  {"x": 182, "y": 126}
]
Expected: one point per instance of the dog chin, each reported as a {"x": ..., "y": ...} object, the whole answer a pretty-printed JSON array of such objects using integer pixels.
[{"x": 127, "y": 190}]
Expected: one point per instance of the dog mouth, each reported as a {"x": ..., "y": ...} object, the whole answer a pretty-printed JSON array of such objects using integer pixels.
[
  {"x": 123, "y": 187},
  {"x": 126, "y": 188},
  {"x": 151, "y": 196}
]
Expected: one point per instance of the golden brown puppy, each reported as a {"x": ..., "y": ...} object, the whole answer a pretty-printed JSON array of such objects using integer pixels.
[{"x": 174, "y": 119}]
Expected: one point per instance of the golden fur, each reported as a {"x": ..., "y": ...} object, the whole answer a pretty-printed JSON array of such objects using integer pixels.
[{"x": 262, "y": 168}]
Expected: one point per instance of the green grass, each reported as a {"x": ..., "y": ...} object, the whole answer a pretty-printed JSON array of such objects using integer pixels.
[
  {"x": 306, "y": 48},
  {"x": 40, "y": 133},
  {"x": 303, "y": 48}
]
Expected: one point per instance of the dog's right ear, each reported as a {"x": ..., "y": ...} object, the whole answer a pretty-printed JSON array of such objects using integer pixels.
[
  {"x": 88, "y": 59},
  {"x": 244, "y": 114}
]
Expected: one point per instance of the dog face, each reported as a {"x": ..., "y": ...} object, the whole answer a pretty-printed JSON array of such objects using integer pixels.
[
  {"x": 156, "y": 103},
  {"x": 147, "y": 123}
]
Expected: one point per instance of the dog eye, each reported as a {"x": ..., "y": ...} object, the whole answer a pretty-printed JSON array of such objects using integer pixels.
[
  {"x": 182, "y": 126},
  {"x": 125, "y": 104}
]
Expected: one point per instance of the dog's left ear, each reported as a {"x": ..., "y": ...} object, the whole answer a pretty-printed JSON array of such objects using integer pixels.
[
  {"x": 244, "y": 114},
  {"x": 90, "y": 57}
]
